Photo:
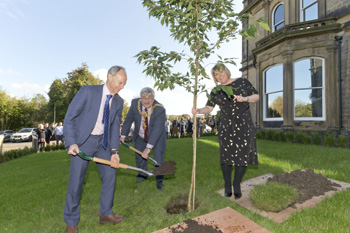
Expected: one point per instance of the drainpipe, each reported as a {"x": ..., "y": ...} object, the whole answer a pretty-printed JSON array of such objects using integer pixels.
[{"x": 339, "y": 39}]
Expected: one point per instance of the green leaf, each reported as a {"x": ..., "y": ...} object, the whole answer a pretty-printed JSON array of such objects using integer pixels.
[
  {"x": 264, "y": 25},
  {"x": 228, "y": 91}
]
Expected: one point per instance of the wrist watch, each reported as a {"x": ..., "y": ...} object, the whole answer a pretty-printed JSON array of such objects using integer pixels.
[
  {"x": 114, "y": 152},
  {"x": 247, "y": 99}
]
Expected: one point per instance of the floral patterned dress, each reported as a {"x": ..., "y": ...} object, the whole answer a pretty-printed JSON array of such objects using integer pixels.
[{"x": 236, "y": 130}]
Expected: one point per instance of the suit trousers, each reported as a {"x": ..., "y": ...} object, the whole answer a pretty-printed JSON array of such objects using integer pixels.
[
  {"x": 140, "y": 144},
  {"x": 77, "y": 172}
]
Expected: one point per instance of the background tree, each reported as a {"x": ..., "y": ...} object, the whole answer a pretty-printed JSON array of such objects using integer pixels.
[
  {"x": 277, "y": 105},
  {"x": 5, "y": 110},
  {"x": 37, "y": 110},
  {"x": 126, "y": 108},
  {"x": 191, "y": 23},
  {"x": 16, "y": 113},
  {"x": 303, "y": 109},
  {"x": 62, "y": 91}
]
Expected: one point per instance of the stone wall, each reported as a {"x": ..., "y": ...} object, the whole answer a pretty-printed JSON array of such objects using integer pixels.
[{"x": 337, "y": 8}]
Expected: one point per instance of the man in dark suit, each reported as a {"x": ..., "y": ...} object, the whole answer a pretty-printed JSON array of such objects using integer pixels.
[
  {"x": 149, "y": 131},
  {"x": 176, "y": 125},
  {"x": 92, "y": 125}
]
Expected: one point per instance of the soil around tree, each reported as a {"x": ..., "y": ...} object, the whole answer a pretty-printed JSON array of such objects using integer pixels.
[
  {"x": 167, "y": 168},
  {"x": 311, "y": 187},
  {"x": 192, "y": 226},
  {"x": 307, "y": 183}
]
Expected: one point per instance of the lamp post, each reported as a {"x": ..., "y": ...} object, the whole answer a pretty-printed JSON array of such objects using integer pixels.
[{"x": 54, "y": 112}]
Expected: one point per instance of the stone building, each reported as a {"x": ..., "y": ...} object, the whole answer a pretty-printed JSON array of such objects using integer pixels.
[{"x": 301, "y": 67}]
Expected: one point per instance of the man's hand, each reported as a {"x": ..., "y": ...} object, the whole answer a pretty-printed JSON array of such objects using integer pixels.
[
  {"x": 115, "y": 158},
  {"x": 73, "y": 148},
  {"x": 122, "y": 139},
  {"x": 145, "y": 153}
]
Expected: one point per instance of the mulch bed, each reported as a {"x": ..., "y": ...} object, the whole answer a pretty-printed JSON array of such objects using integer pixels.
[
  {"x": 193, "y": 226},
  {"x": 307, "y": 183},
  {"x": 168, "y": 167}
]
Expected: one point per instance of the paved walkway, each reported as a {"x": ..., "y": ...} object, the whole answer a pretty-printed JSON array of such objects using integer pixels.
[
  {"x": 226, "y": 220},
  {"x": 283, "y": 215}
]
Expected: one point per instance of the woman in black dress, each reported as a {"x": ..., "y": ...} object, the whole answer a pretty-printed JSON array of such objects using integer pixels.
[
  {"x": 41, "y": 137},
  {"x": 236, "y": 130}
]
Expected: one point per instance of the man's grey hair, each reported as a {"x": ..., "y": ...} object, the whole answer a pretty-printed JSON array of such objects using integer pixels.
[
  {"x": 114, "y": 70},
  {"x": 147, "y": 90}
]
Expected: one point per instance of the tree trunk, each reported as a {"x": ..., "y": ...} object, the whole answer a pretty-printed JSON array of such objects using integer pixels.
[{"x": 192, "y": 194}]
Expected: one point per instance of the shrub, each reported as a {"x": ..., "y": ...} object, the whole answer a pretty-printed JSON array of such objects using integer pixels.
[
  {"x": 275, "y": 136},
  {"x": 2, "y": 158},
  {"x": 282, "y": 136},
  {"x": 316, "y": 138},
  {"x": 61, "y": 146},
  {"x": 289, "y": 136},
  {"x": 48, "y": 147},
  {"x": 269, "y": 135},
  {"x": 306, "y": 139},
  {"x": 263, "y": 134},
  {"x": 342, "y": 141},
  {"x": 14, "y": 154},
  {"x": 258, "y": 135},
  {"x": 329, "y": 139},
  {"x": 299, "y": 137}
]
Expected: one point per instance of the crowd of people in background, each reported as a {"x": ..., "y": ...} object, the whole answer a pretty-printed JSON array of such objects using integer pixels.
[
  {"x": 184, "y": 126},
  {"x": 46, "y": 133}
]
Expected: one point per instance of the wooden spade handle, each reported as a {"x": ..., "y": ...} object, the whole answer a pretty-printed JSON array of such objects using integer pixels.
[
  {"x": 98, "y": 160},
  {"x": 140, "y": 153},
  {"x": 136, "y": 150}
]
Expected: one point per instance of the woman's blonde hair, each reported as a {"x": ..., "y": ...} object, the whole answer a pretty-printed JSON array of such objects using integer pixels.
[{"x": 217, "y": 67}]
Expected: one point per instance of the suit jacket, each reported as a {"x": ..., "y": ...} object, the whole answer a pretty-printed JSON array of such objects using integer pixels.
[
  {"x": 176, "y": 123},
  {"x": 156, "y": 129},
  {"x": 82, "y": 114}
]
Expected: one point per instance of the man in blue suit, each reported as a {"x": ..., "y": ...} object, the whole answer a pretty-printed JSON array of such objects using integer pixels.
[
  {"x": 149, "y": 132},
  {"x": 92, "y": 125}
]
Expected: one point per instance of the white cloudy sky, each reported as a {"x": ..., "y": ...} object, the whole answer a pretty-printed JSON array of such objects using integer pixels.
[{"x": 44, "y": 40}]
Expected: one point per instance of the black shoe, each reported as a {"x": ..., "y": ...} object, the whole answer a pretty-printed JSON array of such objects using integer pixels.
[
  {"x": 160, "y": 185},
  {"x": 237, "y": 191},
  {"x": 228, "y": 194}
]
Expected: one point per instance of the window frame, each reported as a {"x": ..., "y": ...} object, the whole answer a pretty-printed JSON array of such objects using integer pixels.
[
  {"x": 302, "y": 10},
  {"x": 274, "y": 25},
  {"x": 323, "y": 118},
  {"x": 265, "y": 105}
]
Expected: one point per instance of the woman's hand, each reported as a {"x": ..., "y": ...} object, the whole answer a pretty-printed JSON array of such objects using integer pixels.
[
  {"x": 195, "y": 111},
  {"x": 240, "y": 99}
]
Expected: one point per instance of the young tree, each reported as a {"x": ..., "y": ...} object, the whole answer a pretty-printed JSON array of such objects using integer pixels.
[{"x": 191, "y": 23}]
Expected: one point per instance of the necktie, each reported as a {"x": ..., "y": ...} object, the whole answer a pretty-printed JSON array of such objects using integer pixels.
[
  {"x": 105, "y": 122},
  {"x": 146, "y": 126}
]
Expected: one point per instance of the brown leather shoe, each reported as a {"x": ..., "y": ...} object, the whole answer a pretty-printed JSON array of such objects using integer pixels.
[
  {"x": 72, "y": 229},
  {"x": 111, "y": 219}
]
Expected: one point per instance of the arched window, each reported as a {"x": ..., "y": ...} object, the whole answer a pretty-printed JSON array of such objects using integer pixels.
[
  {"x": 273, "y": 93},
  {"x": 309, "y": 101},
  {"x": 308, "y": 10},
  {"x": 278, "y": 17}
]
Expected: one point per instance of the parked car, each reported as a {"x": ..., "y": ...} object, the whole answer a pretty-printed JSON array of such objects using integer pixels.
[
  {"x": 25, "y": 134},
  {"x": 7, "y": 135}
]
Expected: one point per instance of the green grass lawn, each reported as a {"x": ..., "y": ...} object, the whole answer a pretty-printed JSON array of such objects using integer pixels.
[{"x": 33, "y": 189}]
